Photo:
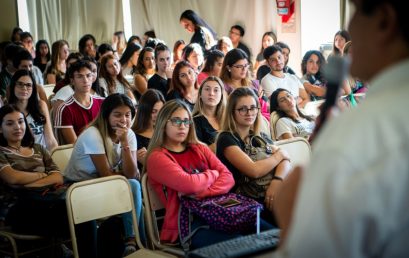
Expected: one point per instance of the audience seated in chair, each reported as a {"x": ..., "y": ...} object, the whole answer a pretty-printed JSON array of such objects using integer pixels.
[
  {"x": 81, "y": 108},
  {"x": 209, "y": 110},
  {"x": 108, "y": 147},
  {"x": 23, "y": 93},
  {"x": 241, "y": 121},
  {"x": 27, "y": 170},
  {"x": 161, "y": 79},
  {"x": 288, "y": 120},
  {"x": 277, "y": 78},
  {"x": 150, "y": 104},
  {"x": 191, "y": 169}
]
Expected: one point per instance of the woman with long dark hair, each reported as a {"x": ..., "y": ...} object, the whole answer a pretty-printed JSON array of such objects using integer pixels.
[
  {"x": 23, "y": 93},
  {"x": 43, "y": 54},
  {"x": 203, "y": 34},
  {"x": 149, "y": 106}
]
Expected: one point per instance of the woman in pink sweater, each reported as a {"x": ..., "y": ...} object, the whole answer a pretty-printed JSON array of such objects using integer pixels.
[{"x": 178, "y": 164}]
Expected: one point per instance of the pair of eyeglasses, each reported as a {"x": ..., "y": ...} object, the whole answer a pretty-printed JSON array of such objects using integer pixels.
[
  {"x": 244, "y": 110},
  {"x": 22, "y": 85},
  {"x": 177, "y": 122},
  {"x": 245, "y": 66}
]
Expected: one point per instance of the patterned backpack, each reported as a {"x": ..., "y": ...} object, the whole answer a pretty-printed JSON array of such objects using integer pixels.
[{"x": 232, "y": 213}]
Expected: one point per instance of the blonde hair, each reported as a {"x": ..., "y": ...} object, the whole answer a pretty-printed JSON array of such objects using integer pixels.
[
  {"x": 228, "y": 121},
  {"x": 159, "y": 133},
  {"x": 221, "y": 106}
]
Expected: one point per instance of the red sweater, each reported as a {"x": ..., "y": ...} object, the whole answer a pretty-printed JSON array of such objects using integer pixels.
[{"x": 163, "y": 170}]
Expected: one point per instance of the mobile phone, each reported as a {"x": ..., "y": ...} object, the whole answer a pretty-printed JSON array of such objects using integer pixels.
[{"x": 227, "y": 203}]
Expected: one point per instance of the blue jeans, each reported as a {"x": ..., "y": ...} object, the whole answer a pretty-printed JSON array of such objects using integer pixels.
[{"x": 127, "y": 217}]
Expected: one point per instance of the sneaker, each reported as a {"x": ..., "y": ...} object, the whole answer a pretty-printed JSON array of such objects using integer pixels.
[
  {"x": 66, "y": 252},
  {"x": 129, "y": 248}
]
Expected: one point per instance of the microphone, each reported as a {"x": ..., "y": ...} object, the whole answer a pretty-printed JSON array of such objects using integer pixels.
[{"x": 335, "y": 73}]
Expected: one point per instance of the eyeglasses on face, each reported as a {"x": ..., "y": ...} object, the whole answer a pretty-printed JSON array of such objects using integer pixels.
[
  {"x": 245, "y": 66},
  {"x": 22, "y": 85},
  {"x": 177, "y": 122},
  {"x": 245, "y": 110}
]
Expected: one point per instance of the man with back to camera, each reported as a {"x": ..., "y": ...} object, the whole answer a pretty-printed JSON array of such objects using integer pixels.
[{"x": 353, "y": 198}]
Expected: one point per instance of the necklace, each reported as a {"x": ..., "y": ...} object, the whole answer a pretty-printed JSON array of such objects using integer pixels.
[{"x": 17, "y": 149}]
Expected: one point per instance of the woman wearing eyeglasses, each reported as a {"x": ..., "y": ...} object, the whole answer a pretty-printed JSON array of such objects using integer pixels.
[
  {"x": 23, "y": 93},
  {"x": 240, "y": 122},
  {"x": 236, "y": 74},
  {"x": 292, "y": 122},
  {"x": 178, "y": 164}
]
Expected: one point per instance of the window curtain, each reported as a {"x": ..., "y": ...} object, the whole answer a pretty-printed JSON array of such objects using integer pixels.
[
  {"x": 256, "y": 16},
  {"x": 347, "y": 10},
  {"x": 71, "y": 19}
]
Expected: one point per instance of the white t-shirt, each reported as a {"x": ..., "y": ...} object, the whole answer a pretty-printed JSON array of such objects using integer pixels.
[
  {"x": 302, "y": 129},
  {"x": 90, "y": 142},
  {"x": 63, "y": 94},
  {"x": 290, "y": 82}
]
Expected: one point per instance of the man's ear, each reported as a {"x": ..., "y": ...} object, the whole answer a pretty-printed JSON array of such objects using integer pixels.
[{"x": 388, "y": 23}]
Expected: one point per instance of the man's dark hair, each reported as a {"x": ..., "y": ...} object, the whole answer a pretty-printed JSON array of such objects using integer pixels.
[
  {"x": 283, "y": 45},
  {"x": 20, "y": 56},
  {"x": 77, "y": 66},
  {"x": 271, "y": 50},
  {"x": 400, "y": 7},
  {"x": 239, "y": 28}
]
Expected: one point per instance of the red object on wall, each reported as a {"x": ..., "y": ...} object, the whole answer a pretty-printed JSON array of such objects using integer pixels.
[{"x": 285, "y": 9}]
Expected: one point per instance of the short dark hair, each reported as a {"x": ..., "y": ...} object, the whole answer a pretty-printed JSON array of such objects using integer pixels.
[
  {"x": 239, "y": 28},
  {"x": 283, "y": 45},
  {"x": 77, "y": 66},
  {"x": 400, "y": 7},
  {"x": 271, "y": 50},
  {"x": 150, "y": 34},
  {"x": 24, "y": 35},
  {"x": 20, "y": 56}
]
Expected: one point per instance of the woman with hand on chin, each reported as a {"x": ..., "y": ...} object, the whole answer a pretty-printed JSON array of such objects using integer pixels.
[{"x": 108, "y": 147}]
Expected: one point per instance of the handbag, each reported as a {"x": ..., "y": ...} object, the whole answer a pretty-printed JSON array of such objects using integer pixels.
[
  {"x": 231, "y": 213},
  {"x": 256, "y": 187}
]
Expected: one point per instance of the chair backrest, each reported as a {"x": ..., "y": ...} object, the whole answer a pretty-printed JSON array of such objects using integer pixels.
[
  {"x": 48, "y": 89},
  {"x": 153, "y": 217},
  {"x": 273, "y": 121},
  {"x": 152, "y": 206},
  {"x": 61, "y": 155},
  {"x": 102, "y": 197},
  {"x": 98, "y": 198},
  {"x": 298, "y": 148}
]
